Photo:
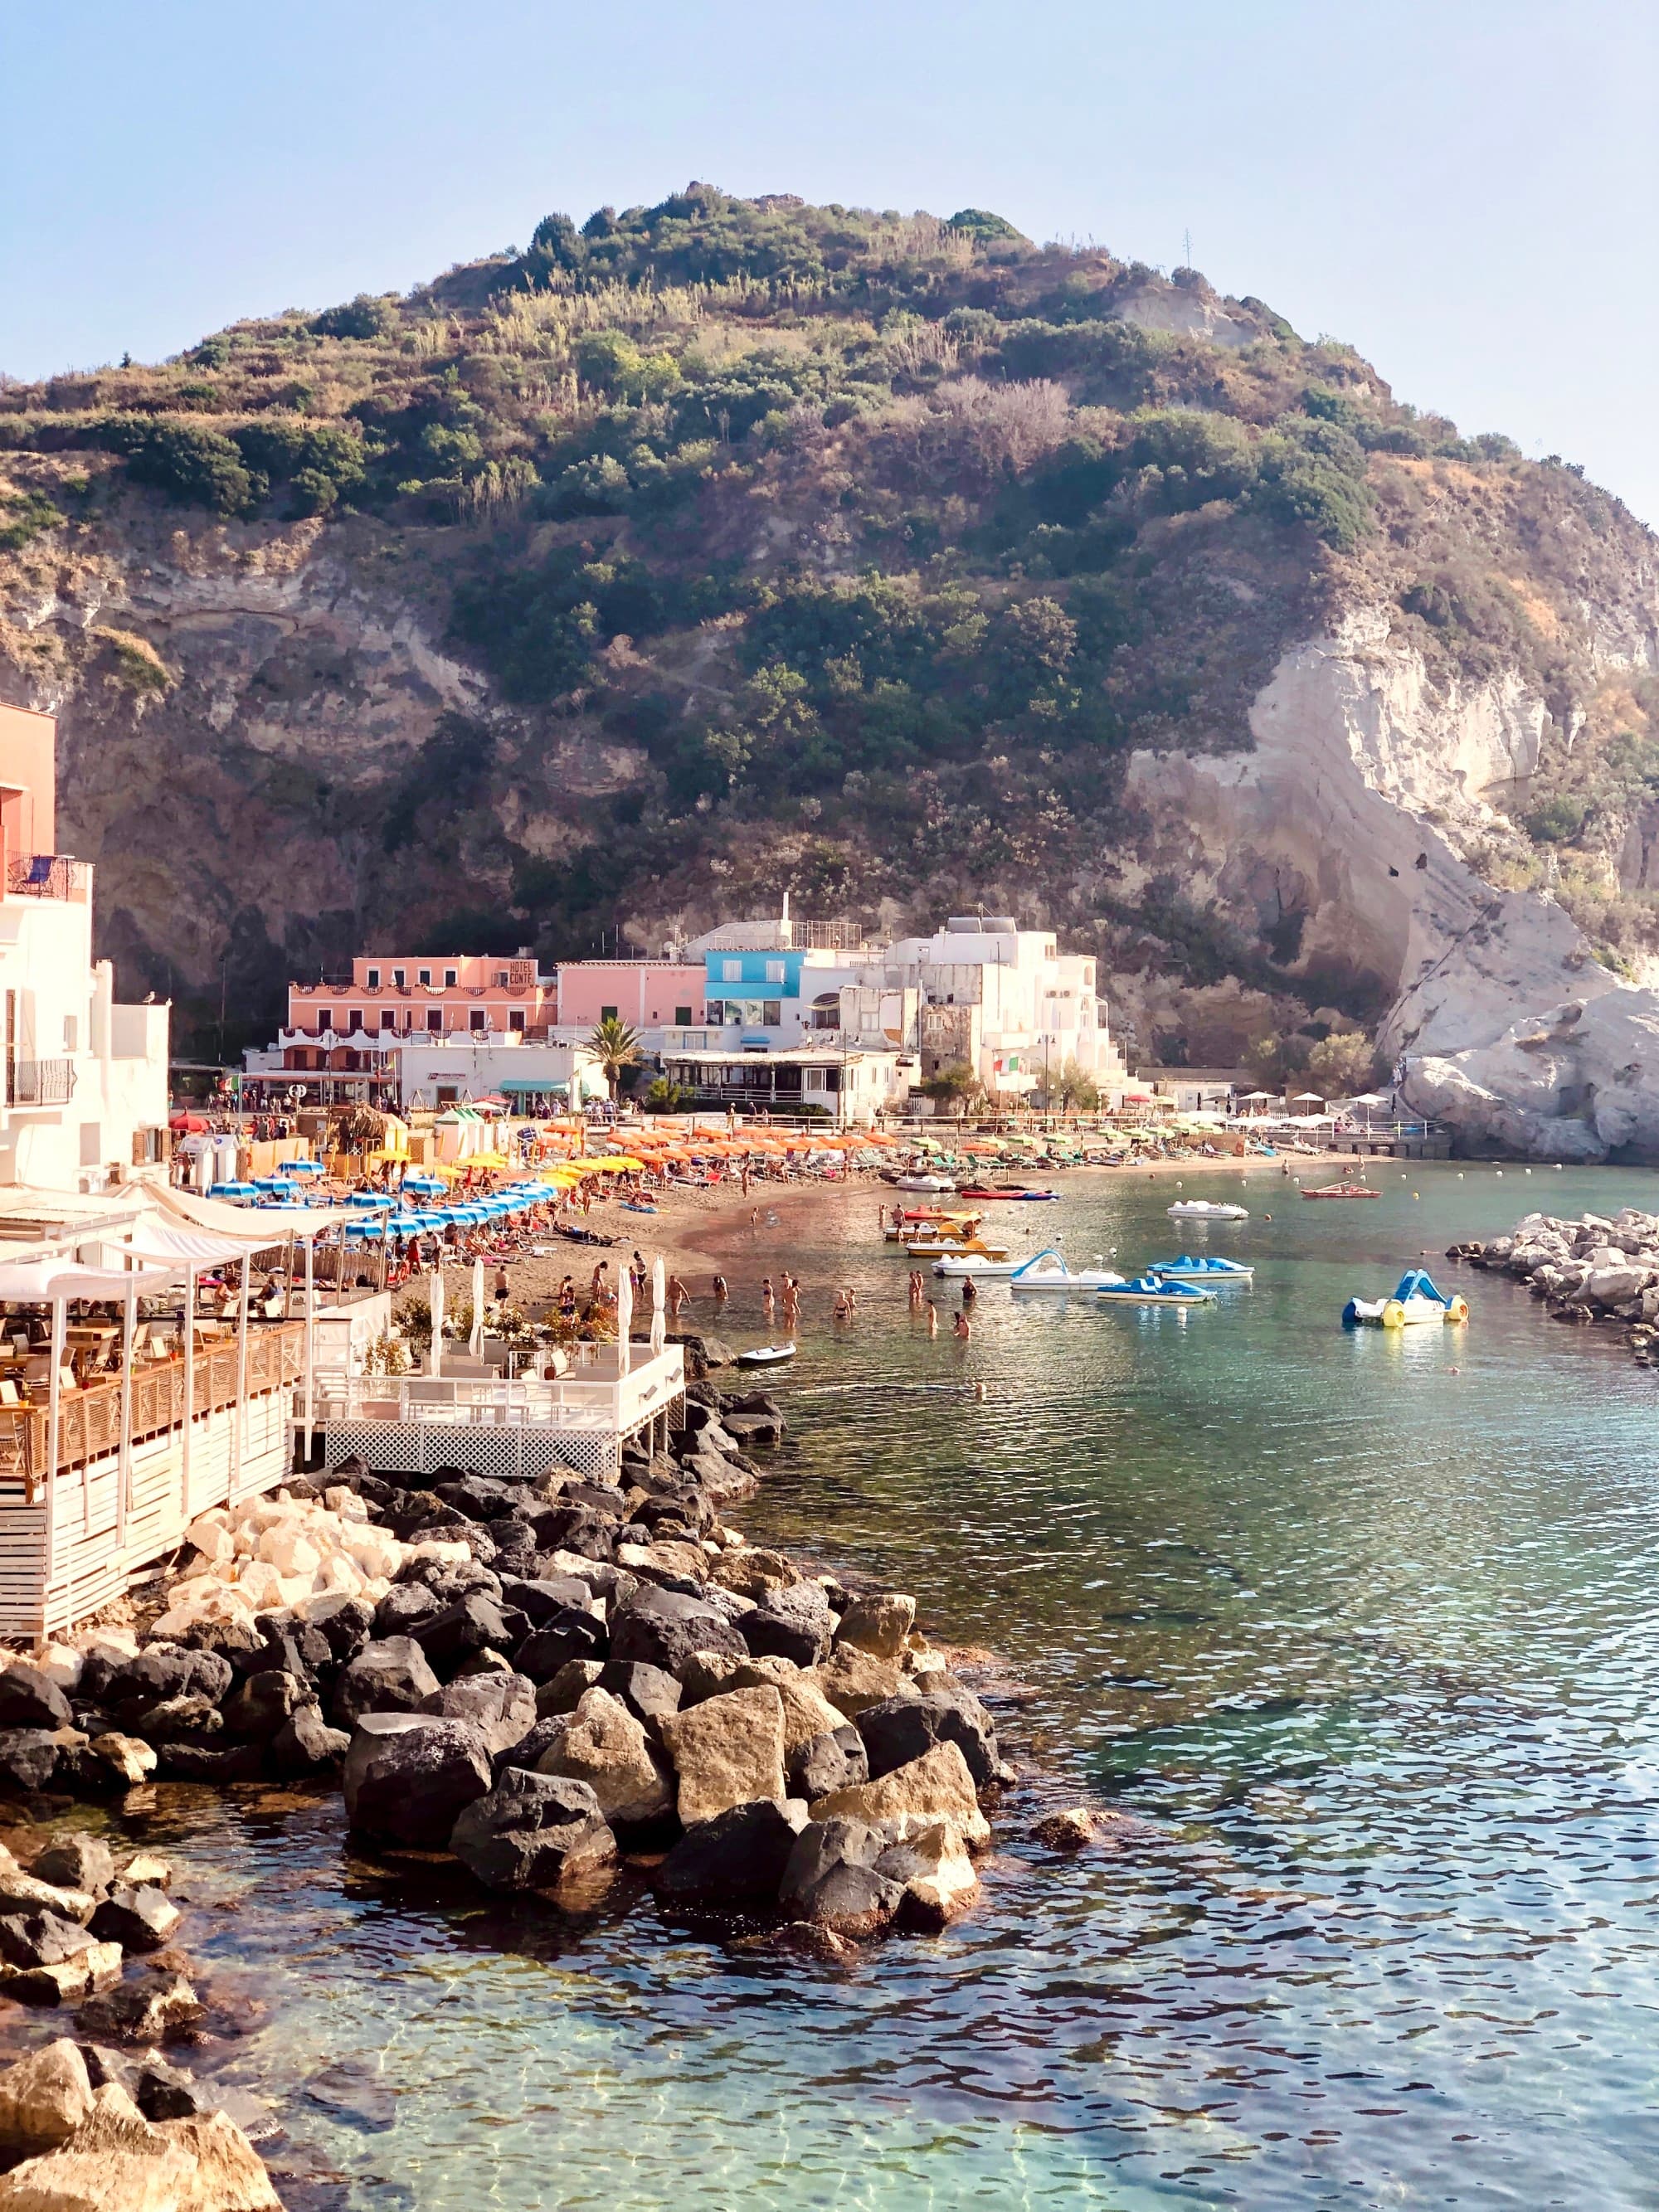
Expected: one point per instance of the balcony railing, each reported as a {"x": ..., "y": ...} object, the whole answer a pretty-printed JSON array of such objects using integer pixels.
[
  {"x": 48, "y": 875},
  {"x": 39, "y": 1082}
]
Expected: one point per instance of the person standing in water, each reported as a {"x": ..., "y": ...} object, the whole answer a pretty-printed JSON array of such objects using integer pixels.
[
  {"x": 969, "y": 1293},
  {"x": 720, "y": 1292},
  {"x": 932, "y": 1318},
  {"x": 962, "y": 1328},
  {"x": 916, "y": 1289},
  {"x": 767, "y": 1295}
]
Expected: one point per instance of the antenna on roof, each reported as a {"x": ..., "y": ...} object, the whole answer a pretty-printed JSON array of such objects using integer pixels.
[{"x": 1186, "y": 249}]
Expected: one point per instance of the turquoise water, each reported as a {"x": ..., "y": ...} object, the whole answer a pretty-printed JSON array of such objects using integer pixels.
[{"x": 1360, "y": 1631}]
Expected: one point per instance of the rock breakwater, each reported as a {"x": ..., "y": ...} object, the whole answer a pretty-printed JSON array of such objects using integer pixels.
[
  {"x": 551, "y": 1683},
  {"x": 1597, "y": 1269}
]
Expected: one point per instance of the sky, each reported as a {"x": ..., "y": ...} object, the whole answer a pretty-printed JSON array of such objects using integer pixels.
[{"x": 1466, "y": 190}]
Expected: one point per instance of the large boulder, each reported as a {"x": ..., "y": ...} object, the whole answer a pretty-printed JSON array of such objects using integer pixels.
[
  {"x": 726, "y": 1751},
  {"x": 831, "y": 1878},
  {"x": 402, "y": 1609},
  {"x": 77, "y": 1862},
  {"x": 835, "y": 1760},
  {"x": 793, "y": 1624},
  {"x": 544, "y": 1597},
  {"x": 501, "y": 1706},
  {"x": 138, "y": 1918},
  {"x": 477, "y": 1623},
  {"x": 663, "y": 1628},
  {"x": 264, "y": 1702},
  {"x": 851, "y": 1678},
  {"x": 603, "y": 1746},
  {"x": 880, "y": 1625},
  {"x": 903, "y": 1728},
  {"x": 649, "y": 1695},
  {"x": 116, "y": 2161},
  {"x": 31, "y": 1699},
  {"x": 155, "y": 2008},
  {"x": 736, "y": 1859},
  {"x": 305, "y": 1742},
  {"x": 44, "y": 2098},
  {"x": 408, "y": 1777},
  {"x": 533, "y": 1831},
  {"x": 807, "y": 1711},
  {"x": 28, "y": 1893},
  {"x": 937, "y": 1784},
  {"x": 932, "y": 1866},
  {"x": 388, "y": 1677},
  {"x": 564, "y": 1632},
  {"x": 42, "y": 1939},
  {"x": 167, "y": 1670},
  {"x": 30, "y": 1756}
]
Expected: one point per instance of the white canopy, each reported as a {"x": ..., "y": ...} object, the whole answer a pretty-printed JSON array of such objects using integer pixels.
[
  {"x": 45, "y": 1280},
  {"x": 171, "y": 1245},
  {"x": 248, "y": 1230}
]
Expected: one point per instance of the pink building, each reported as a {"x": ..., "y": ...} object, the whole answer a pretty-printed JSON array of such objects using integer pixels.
[
  {"x": 645, "y": 994},
  {"x": 437, "y": 995}
]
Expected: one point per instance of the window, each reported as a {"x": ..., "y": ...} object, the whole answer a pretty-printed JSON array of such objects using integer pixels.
[
  {"x": 607, "y": 1014},
  {"x": 373, "y": 982},
  {"x": 682, "y": 1016},
  {"x": 731, "y": 971},
  {"x": 388, "y": 1019},
  {"x": 502, "y": 979},
  {"x": 325, "y": 1018},
  {"x": 424, "y": 976},
  {"x": 354, "y": 1019},
  {"x": 92, "y": 1143},
  {"x": 771, "y": 1013},
  {"x": 775, "y": 971},
  {"x": 476, "y": 1018},
  {"x": 515, "y": 1019},
  {"x": 434, "y": 1019},
  {"x": 714, "y": 1013},
  {"x": 399, "y": 977},
  {"x": 71, "y": 1033},
  {"x": 812, "y": 1078},
  {"x": 451, "y": 978}
]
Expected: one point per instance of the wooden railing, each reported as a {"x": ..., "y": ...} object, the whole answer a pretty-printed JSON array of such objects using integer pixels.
[{"x": 89, "y": 1421}]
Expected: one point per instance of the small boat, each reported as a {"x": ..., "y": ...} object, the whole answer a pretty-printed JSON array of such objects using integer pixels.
[
  {"x": 1206, "y": 1209},
  {"x": 976, "y": 1264},
  {"x": 1048, "y": 1270},
  {"x": 936, "y": 1248},
  {"x": 1415, "y": 1303},
  {"x": 933, "y": 1224},
  {"x": 1156, "y": 1291},
  {"x": 1007, "y": 1193},
  {"x": 922, "y": 1182},
  {"x": 1342, "y": 1190},
  {"x": 1207, "y": 1268},
  {"x": 766, "y": 1355}
]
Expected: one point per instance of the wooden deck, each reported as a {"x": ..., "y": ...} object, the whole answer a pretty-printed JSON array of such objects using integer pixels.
[{"x": 72, "y": 1545}]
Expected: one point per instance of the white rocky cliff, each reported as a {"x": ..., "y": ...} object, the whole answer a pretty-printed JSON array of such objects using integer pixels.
[{"x": 1346, "y": 833}]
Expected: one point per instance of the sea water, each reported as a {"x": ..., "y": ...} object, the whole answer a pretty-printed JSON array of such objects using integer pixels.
[{"x": 1357, "y": 1629}]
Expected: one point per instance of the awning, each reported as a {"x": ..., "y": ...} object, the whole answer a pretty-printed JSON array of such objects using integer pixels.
[
  {"x": 254, "y": 1232},
  {"x": 180, "y": 1248},
  {"x": 44, "y": 1281}
]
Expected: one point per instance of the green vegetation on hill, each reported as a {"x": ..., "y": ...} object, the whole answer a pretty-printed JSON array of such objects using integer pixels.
[{"x": 873, "y": 542}]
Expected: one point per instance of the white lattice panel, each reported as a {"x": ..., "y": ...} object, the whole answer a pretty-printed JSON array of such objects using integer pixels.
[{"x": 421, "y": 1448}]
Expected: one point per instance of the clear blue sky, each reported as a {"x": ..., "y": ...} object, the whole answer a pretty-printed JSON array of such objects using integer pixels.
[{"x": 1464, "y": 189}]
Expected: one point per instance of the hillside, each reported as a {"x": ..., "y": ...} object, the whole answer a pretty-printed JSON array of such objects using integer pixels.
[{"x": 727, "y": 546}]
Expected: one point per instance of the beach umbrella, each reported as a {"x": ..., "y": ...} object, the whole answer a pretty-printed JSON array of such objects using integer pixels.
[
  {"x": 659, "y": 1303},
  {"x": 304, "y": 1168},
  {"x": 475, "y": 1342},
  {"x": 435, "y": 1298},
  {"x": 625, "y": 1317},
  {"x": 232, "y": 1190}
]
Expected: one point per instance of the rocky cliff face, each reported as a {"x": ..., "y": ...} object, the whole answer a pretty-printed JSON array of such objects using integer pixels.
[{"x": 730, "y": 547}]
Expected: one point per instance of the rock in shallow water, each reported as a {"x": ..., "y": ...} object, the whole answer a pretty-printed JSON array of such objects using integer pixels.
[
  {"x": 603, "y": 1746},
  {"x": 726, "y": 1751},
  {"x": 533, "y": 1831},
  {"x": 736, "y": 1859},
  {"x": 408, "y": 1777}
]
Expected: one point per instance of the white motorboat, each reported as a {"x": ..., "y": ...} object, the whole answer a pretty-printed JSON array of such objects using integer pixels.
[
  {"x": 766, "y": 1355},
  {"x": 1048, "y": 1270},
  {"x": 1206, "y": 1209},
  {"x": 922, "y": 1182}
]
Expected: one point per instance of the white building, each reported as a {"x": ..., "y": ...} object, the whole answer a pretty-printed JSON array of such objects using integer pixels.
[
  {"x": 85, "y": 1099},
  {"x": 429, "y": 1070}
]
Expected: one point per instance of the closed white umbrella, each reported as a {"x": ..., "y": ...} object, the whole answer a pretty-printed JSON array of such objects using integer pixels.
[
  {"x": 624, "y": 1315},
  {"x": 435, "y": 1295},
  {"x": 475, "y": 1342},
  {"x": 659, "y": 1303}
]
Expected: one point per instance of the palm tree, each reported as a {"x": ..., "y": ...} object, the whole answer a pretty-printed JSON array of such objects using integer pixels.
[{"x": 616, "y": 1047}]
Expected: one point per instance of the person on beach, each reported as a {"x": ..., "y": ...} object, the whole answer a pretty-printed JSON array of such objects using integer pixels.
[
  {"x": 843, "y": 1307},
  {"x": 502, "y": 1286},
  {"x": 962, "y": 1328},
  {"x": 677, "y": 1299},
  {"x": 721, "y": 1293},
  {"x": 767, "y": 1296},
  {"x": 916, "y": 1289},
  {"x": 791, "y": 1302},
  {"x": 596, "y": 1284}
]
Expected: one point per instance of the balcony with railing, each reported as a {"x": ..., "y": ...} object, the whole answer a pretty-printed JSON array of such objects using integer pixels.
[
  {"x": 39, "y": 1082},
  {"x": 48, "y": 876}
]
